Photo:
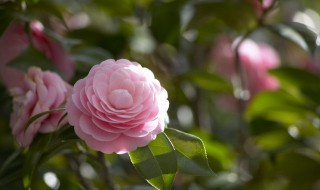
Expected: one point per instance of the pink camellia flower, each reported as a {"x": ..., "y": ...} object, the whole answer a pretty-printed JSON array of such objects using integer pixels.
[
  {"x": 16, "y": 39},
  {"x": 256, "y": 60},
  {"x": 118, "y": 107},
  {"x": 42, "y": 91}
]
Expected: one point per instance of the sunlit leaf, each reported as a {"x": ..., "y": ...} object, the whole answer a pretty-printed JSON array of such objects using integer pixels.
[
  {"x": 192, "y": 156},
  {"x": 276, "y": 105},
  {"x": 273, "y": 140},
  {"x": 156, "y": 162},
  {"x": 307, "y": 33},
  {"x": 295, "y": 34}
]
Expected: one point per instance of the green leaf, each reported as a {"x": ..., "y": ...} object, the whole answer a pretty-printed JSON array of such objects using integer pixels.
[
  {"x": 296, "y": 34},
  {"x": 156, "y": 162},
  {"x": 299, "y": 80},
  {"x": 35, "y": 117},
  {"x": 208, "y": 81},
  {"x": 165, "y": 24},
  {"x": 308, "y": 35},
  {"x": 278, "y": 106},
  {"x": 192, "y": 156},
  {"x": 44, "y": 147},
  {"x": 30, "y": 166}
]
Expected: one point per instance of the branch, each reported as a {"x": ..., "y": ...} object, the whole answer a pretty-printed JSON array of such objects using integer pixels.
[{"x": 105, "y": 171}]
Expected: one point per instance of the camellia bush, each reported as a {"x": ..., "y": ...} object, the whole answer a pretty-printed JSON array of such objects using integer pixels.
[{"x": 167, "y": 94}]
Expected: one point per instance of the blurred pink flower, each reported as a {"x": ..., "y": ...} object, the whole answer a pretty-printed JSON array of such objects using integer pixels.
[
  {"x": 118, "y": 107},
  {"x": 15, "y": 40},
  {"x": 43, "y": 91},
  {"x": 256, "y": 60}
]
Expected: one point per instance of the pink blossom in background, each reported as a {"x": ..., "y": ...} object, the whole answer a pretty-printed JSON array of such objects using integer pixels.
[
  {"x": 43, "y": 91},
  {"x": 15, "y": 40},
  {"x": 118, "y": 107},
  {"x": 256, "y": 60}
]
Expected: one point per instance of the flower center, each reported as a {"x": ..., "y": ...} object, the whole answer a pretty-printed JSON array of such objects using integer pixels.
[{"x": 120, "y": 98}]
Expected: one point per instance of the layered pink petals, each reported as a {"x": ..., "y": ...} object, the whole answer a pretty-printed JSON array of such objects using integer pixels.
[
  {"x": 43, "y": 91},
  {"x": 118, "y": 107},
  {"x": 16, "y": 39}
]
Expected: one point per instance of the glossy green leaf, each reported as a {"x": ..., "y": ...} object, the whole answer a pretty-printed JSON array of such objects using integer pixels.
[
  {"x": 192, "y": 156},
  {"x": 156, "y": 162},
  {"x": 208, "y": 81},
  {"x": 308, "y": 35},
  {"x": 296, "y": 34},
  {"x": 37, "y": 116}
]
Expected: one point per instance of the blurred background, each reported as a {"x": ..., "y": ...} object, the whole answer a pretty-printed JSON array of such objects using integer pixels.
[{"x": 243, "y": 75}]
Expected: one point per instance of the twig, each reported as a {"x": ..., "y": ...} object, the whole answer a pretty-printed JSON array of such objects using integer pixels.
[{"x": 105, "y": 171}]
